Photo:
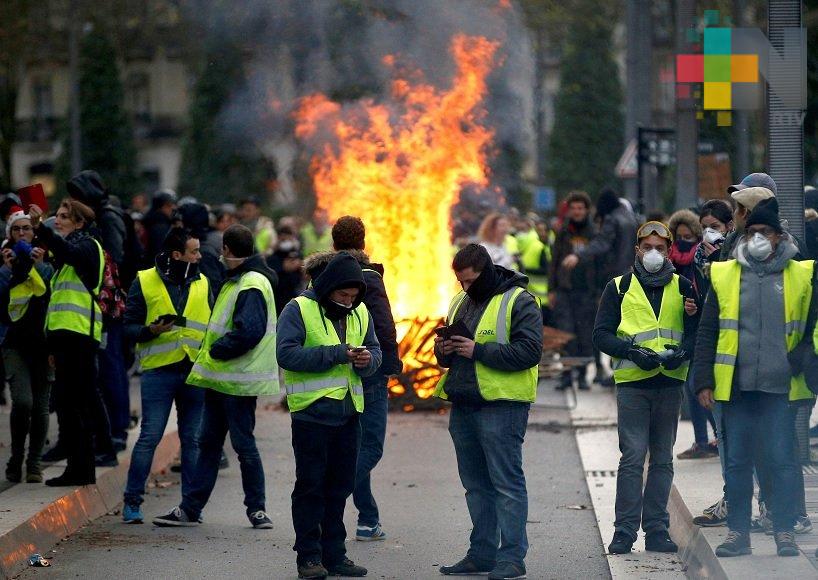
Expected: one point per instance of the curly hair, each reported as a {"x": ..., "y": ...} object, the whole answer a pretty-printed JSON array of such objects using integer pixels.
[{"x": 349, "y": 233}]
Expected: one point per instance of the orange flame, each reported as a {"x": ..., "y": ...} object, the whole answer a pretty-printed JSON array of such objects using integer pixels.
[{"x": 400, "y": 168}]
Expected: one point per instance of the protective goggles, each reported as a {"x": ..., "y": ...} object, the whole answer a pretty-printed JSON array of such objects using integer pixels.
[{"x": 654, "y": 228}]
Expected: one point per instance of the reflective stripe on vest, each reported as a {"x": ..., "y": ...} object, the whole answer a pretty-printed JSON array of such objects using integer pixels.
[
  {"x": 305, "y": 388},
  {"x": 495, "y": 326},
  {"x": 181, "y": 341},
  {"x": 725, "y": 278},
  {"x": 73, "y": 305},
  {"x": 21, "y": 294},
  {"x": 639, "y": 325},
  {"x": 255, "y": 372}
]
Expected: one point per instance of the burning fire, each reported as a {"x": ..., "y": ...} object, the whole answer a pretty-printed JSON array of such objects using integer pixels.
[{"x": 400, "y": 167}]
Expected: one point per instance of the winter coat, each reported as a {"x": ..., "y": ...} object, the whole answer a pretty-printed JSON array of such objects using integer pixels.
[
  {"x": 613, "y": 247},
  {"x": 523, "y": 351},
  {"x": 570, "y": 240}
]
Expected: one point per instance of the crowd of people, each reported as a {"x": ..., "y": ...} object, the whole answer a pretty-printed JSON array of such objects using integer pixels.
[{"x": 214, "y": 306}]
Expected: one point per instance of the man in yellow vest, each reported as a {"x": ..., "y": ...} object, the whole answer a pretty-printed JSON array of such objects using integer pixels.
[
  {"x": 166, "y": 316},
  {"x": 236, "y": 364},
  {"x": 535, "y": 258},
  {"x": 754, "y": 318},
  {"x": 647, "y": 323},
  {"x": 316, "y": 235},
  {"x": 491, "y": 346},
  {"x": 326, "y": 344}
]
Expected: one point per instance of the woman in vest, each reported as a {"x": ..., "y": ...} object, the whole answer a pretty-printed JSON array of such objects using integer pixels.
[
  {"x": 74, "y": 330},
  {"x": 326, "y": 343},
  {"x": 647, "y": 323},
  {"x": 24, "y": 298}
]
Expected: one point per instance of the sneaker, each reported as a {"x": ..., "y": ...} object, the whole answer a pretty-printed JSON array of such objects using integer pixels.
[
  {"x": 260, "y": 520},
  {"x": 803, "y": 525},
  {"x": 660, "y": 542},
  {"x": 507, "y": 571},
  {"x": 622, "y": 543},
  {"x": 785, "y": 544},
  {"x": 736, "y": 544},
  {"x": 176, "y": 518},
  {"x": 763, "y": 523},
  {"x": 467, "y": 567},
  {"x": 367, "y": 534},
  {"x": 132, "y": 514},
  {"x": 714, "y": 516},
  {"x": 34, "y": 473},
  {"x": 566, "y": 382},
  {"x": 347, "y": 568},
  {"x": 696, "y": 452},
  {"x": 312, "y": 569}
]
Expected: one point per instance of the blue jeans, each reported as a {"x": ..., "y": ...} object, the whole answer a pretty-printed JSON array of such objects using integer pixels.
[
  {"x": 223, "y": 414},
  {"x": 699, "y": 416},
  {"x": 488, "y": 442},
  {"x": 113, "y": 379},
  {"x": 719, "y": 425},
  {"x": 373, "y": 432},
  {"x": 160, "y": 388},
  {"x": 647, "y": 421},
  {"x": 759, "y": 431}
]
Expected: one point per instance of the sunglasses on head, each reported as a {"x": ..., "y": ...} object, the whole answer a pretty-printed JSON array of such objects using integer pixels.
[{"x": 651, "y": 228}]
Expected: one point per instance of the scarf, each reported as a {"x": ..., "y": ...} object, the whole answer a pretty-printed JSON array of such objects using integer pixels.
[
  {"x": 657, "y": 279},
  {"x": 483, "y": 288},
  {"x": 680, "y": 257},
  {"x": 783, "y": 253}
]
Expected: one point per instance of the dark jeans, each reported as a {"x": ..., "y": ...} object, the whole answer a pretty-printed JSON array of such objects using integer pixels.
[
  {"x": 373, "y": 432},
  {"x": 488, "y": 442},
  {"x": 699, "y": 416},
  {"x": 113, "y": 380},
  {"x": 759, "y": 430},
  {"x": 325, "y": 462},
  {"x": 27, "y": 374},
  {"x": 226, "y": 414},
  {"x": 574, "y": 312},
  {"x": 160, "y": 388},
  {"x": 647, "y": 421},
  {"x": 76, "y": 398}
]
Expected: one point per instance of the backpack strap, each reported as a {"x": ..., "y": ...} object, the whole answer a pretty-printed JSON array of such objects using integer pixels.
[{"x": 624, "y": 284}]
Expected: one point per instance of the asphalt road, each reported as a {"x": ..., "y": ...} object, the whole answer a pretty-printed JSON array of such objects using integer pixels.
[{"x": 422, "y": 509}]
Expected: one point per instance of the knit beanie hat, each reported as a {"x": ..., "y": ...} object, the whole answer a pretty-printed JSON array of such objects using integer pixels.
[
  {"x": 16, "y": 214},
  {"x": 766, "y": 213}
]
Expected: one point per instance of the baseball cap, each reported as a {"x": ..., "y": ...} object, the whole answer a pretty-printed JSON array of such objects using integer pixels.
[
  {"x": 750, "y": 196},
  {"x": 755, "y": 180}
]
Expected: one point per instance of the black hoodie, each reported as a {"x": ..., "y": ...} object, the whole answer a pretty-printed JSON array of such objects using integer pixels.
[
  {"x": 523, "y": 351},
  {"x": 89, "y": 188},
  {"x": 249, "y": 315}
]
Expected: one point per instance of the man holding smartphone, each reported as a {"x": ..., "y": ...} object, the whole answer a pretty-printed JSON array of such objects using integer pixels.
[
  {"x": 166, "y": 349},
  {"x": 492, "y": 348},
  {"x": 326, "y": 343}
]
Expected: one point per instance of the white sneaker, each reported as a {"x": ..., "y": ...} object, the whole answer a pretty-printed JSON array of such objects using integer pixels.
[{"x": 803, "y": 525}]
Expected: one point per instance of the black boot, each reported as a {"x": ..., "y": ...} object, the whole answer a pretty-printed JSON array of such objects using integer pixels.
[{"x": 566, "y": 382}]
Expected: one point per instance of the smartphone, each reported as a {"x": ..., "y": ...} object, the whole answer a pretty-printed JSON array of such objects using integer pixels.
[
  {"x": 459, "y": 328},
  {"x": 442, "y": 332},
  {"x": 166, "y": 319},
  {"x": 358, "y": 349}
]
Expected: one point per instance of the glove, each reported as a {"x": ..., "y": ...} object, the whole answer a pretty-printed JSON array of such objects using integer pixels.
[
  {"x": 675, "y": 361},
  {"x": 645, "y": 358}
]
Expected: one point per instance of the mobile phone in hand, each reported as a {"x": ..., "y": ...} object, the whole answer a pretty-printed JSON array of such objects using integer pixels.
[
  {"x": 358, "y": 349},
  {"x": 442, "y": 332},
  {"x": 166, "y": 319}
]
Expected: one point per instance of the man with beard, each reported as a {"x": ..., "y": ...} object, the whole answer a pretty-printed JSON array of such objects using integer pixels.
[
  {"x": 491, "y": 346},
  {"x": 326, "y": 344},
  {"x": 574, "y": 289}
]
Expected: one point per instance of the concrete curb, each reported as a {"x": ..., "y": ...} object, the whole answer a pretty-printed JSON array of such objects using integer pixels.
[
  {"x": 76, "y": 508},
  {"x": 694, "y": 549}
]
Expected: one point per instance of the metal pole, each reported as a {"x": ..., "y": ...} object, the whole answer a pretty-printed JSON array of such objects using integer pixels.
[
  {"x": 73, "y": 79},
  {"x": 639, "y": 78},
  {"x": 687, "y": 127},
  {"x": 785, "y": 115}
]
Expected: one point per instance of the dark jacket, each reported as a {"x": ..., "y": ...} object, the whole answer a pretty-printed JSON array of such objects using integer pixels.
[
  {"x": 609, "y": 316},
  {"x": 249, "y": 315},
  {"x": 88, "y": 188},
  {"x": 196, "y": 218},
  {"x": 613, "y": 247},
  {"x": 570, "y": 240},
  {"x": 29, "y": 331},
  {"x": 294, "y": 356},
  {"x": 157, "y": 225},
  {"x": 289, "y": 283},
  {"x": 136, "y": 309},
  {"x": 523, "y": 351}
]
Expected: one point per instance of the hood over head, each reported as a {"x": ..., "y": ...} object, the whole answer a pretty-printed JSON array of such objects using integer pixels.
[
  {"x": 195, "y": 218},
  {"x": 88, "y": 187},
  {"x": 608, "y": 201},
  {"x": 687, "y": 218},
  {"x": 342, "y": 271}
]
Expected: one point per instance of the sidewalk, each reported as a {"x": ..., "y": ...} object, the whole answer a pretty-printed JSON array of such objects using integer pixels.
[
  {"x": 697, "y": 485},
  {"x": 34, "y": 517}
]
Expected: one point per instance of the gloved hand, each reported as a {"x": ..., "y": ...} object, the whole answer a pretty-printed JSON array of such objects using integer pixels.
[
  {"x": 679, "y": 356},
  {"x": 645, "y": 358}
]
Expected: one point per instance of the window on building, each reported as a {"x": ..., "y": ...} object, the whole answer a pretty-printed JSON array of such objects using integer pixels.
[
  {"x": 43, "y": 104},
  {"x": 138, "y": 95}
]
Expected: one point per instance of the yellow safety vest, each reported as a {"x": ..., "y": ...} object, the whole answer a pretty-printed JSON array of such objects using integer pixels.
[
  {"x": 531, "y": 260},
  {"x": 639, "y": 324},
  {"x": 21, "y": 294},
  {"x": 73, "y": 306},
  {"x": 313, "y": 242},
  {"x": 255, "y": 372},
  {"x": 495, "y": 326},
  {"x": 725, "y": 279},
  {"x": 304, "y": 388},
  {"x": 182, "y": 341}
]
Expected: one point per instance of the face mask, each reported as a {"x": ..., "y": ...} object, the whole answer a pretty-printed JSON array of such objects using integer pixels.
[
  {"x": 229, "y": 263},
  {"x": 759, "y": 247},
  {"x": 684, "y": 246},
  {"x": 653, "y": 261},
  {"x": 347, "y": 306},
  {"x": 712, "y": 236},
  {"x": 288, "y": 246}
]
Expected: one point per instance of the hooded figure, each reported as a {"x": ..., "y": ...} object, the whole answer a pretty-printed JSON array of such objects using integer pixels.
[{"x": 196, "y": 219}]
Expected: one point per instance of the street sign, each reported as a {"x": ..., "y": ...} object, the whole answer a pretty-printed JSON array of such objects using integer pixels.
[
  {"x": 545, "y": 198},
  {"x": 628, "y": 166}
]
